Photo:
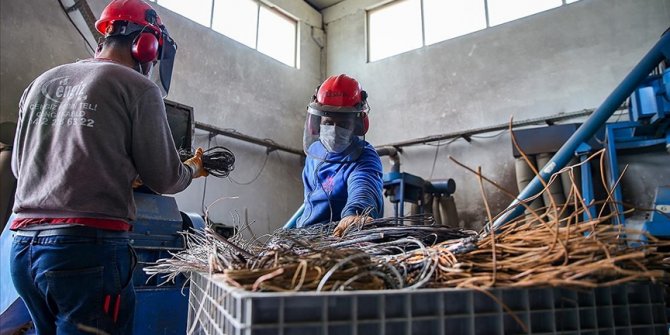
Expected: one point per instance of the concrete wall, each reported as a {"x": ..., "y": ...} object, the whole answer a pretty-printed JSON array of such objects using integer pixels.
[
  {"x": 34, "y": 36},
  {"x": 565, "y": 59},
  {"x": 228, "y": 84}
]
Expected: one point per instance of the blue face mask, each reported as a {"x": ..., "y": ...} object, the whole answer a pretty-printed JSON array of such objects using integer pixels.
[{"x": 335, "y": 139}]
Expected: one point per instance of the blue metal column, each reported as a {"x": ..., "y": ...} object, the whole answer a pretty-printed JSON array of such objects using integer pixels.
[
  {"x": 589, "y": 128},
  {"x": 613, "y": 175},
  {"x": 401, "y": 203},
  {"x": 588, "y": 195}
]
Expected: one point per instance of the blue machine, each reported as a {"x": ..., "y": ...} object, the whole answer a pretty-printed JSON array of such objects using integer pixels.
[
  {"x": 402, "y": 187},
  {"x": 638, "y": 78},
  {"x": 159, "y": 309},
  {"x": 643, "y": 142},
  {"x": 647, "y": 131}
]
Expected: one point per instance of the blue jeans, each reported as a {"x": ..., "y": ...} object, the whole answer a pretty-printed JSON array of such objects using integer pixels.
[{"x": 74, "y": 284}]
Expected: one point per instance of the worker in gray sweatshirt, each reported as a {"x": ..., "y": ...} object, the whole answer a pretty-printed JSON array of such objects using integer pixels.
[{"x": 86, "y": 132}]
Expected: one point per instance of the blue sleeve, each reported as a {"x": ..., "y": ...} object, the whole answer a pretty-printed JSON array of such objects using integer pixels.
[
  {"x": 364, "y": 186},
  {"x": 307, "y": 171}
]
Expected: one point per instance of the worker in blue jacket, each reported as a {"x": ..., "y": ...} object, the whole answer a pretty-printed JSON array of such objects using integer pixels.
[{"x": 343, "y": 173}]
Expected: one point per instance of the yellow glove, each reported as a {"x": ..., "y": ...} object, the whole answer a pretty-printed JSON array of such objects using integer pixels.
[
  {"x": 348, "y": 221},
  {"x": 137, "y": 182},
  {"x": 195, "y": 163}
]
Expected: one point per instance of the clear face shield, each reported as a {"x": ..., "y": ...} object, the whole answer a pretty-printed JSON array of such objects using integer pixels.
[{"x": 330, "y": 135}]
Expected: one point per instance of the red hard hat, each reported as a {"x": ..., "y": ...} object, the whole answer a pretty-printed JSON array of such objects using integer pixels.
[
  {"x": 341, "y": 95},
  {"x": 135, "y": 11},
  {"x": 341, "y": 91}
]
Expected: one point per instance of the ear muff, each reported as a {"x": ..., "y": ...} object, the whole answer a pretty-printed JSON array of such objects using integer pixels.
[
  {"x": 145, "y": 47},
  {"x": 366, "y": 124},
  {"x": 362, "y": 125}
]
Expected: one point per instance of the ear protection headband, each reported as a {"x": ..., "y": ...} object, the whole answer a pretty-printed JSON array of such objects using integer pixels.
[{"x": 364, "y": 124}]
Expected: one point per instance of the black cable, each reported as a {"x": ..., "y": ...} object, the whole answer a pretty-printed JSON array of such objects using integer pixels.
[
  {"x": 437, "y": 150},
  {"x": 218, "y": 161},
  {"x": 204, "y": 187},
  {"x": 490, "y": 136},
  {"x": 254, "y": 178}
]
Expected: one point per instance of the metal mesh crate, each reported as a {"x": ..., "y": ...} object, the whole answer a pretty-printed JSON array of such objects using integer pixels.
[{"x": 636, "y": 308}]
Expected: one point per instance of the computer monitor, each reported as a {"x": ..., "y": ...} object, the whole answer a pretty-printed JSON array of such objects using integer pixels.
[{"x": 180, "y": 119}]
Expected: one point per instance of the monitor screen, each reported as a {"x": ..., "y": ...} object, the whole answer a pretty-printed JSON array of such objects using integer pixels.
[{"x": 180, "y": 119}]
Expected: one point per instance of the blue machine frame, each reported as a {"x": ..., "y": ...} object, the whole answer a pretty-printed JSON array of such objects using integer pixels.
[
  {"x": 649, "y": 130},
  {"x": 658, "y": 53},
  {"x": 403, "y": 187},
  {"x": 159, "y": 309}
]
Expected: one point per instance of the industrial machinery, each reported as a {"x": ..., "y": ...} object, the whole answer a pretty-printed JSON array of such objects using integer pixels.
[
  {"x": 646, "y": 133},
  {"x": 159, "y": 309},
  {"x": 640, "y": 145},
  {"x": 426, "y": 197},
  {"x": 648, "y": 128}
]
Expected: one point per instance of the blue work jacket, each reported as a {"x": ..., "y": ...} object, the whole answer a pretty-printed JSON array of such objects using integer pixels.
[{"x": 342, "y": 184}]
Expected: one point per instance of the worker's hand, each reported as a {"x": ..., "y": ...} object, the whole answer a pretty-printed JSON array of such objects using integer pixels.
[
  {"x": 137, "y": 182},
  {"x": 195, "y": 163},
  {"x": 348, "y": 221}
]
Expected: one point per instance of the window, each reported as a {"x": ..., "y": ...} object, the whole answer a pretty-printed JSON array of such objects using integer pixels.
[
  {"x": 196, "y": 10},
  {"x": 276, "y": 35},
  {"x": 403, "y": 25},
  {"x": 501, "y": 11},
  {"x": 396, "y": 28},
  {"x": 249, "y": 22},
  {"x": 445, "y": 19},
  {"x": 236, "y": 19}
]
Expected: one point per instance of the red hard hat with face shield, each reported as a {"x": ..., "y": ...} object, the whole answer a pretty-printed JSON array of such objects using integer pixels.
[
  {"x": 336, "y": 114},
  {"x": 152, "y": 44}
]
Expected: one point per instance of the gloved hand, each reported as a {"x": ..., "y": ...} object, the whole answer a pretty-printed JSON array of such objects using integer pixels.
[
  {"x": 348, "y": 221},
  {"x": 195, "y": 163},
  {"x": 137, "y": 182}
]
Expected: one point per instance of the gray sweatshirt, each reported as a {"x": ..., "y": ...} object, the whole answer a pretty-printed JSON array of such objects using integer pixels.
[{"x": 85, "y": 131}]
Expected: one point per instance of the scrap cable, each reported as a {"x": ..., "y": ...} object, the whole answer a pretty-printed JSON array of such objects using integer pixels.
[
  {"x": 219, "y": 161},
  {"x": 554, "y": 245}
]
